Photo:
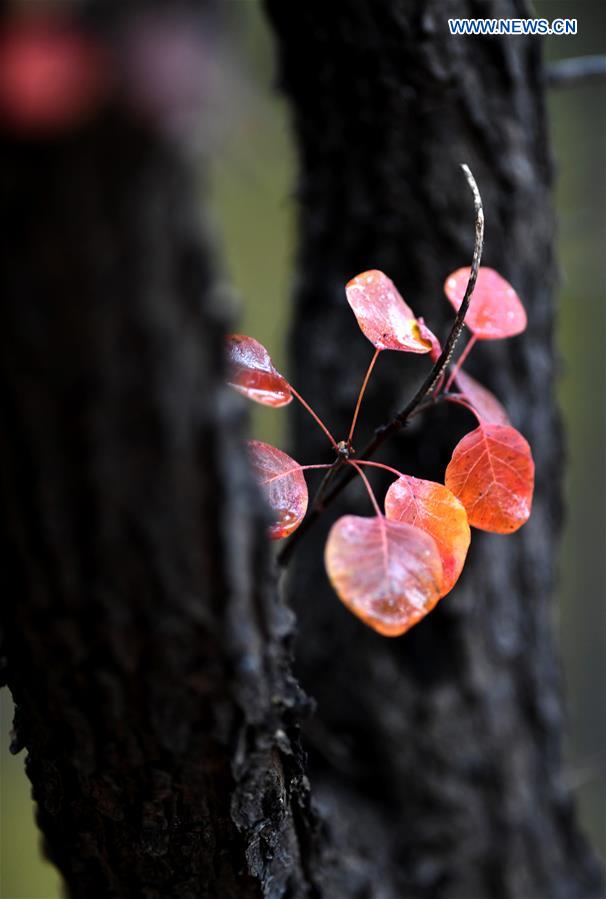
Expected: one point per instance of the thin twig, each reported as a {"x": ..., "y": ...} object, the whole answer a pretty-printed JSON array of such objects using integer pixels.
[
  {"x": 579, "y": 69},
  {"x": 425, "y": 391},
  {"x": 429, "y": 384}
]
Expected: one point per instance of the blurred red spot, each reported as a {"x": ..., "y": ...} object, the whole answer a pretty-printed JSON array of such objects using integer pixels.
[{"x": 51, "y": 76}]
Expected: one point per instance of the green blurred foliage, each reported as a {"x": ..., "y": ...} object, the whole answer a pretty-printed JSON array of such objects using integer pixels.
[
  {"x": 578, "y": 119},
  {"x": 251, "y": 182}
]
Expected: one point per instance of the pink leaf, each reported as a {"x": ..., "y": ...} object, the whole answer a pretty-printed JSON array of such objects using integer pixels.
[
  {"x": 383, "y": 316},
  {"x": 283, "y": 484},
  {"x": 388, "y": 574},
  {"x": 485, "y": 403},
  {"x": 253, "y": 373},
  {"x": 495, "y": 309}
]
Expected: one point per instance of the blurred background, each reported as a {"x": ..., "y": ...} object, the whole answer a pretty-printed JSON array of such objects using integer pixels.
[{"x": 250, "y": 176}]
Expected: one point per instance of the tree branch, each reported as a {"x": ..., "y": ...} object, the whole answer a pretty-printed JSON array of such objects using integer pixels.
[
  {"x": 424, "y": 392},
  {"x": 579, "y": 69}
]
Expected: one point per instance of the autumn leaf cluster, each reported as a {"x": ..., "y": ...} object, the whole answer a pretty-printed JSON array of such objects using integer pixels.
[{"x": 392, "y": 568}]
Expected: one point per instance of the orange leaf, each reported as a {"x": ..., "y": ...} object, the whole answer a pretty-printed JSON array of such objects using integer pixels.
[
  {"x": 485, "y": 403},
  {"x": 252, "y": 372},
  {"x": 434, "y": 509},
  {"x": 383, "y": 316},
  {"x": 492, "y": 473},
  {"x": 387, "y": 573},
  {"x": 283, "y": 484},
  {"x": 495, "y": 309}
]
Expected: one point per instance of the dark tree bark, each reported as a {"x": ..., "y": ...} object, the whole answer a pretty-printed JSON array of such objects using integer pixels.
[
  {"x": 451, "y": 735},
  {"x": 143, "y": 636},
  {"x": 144, "y": 640}
]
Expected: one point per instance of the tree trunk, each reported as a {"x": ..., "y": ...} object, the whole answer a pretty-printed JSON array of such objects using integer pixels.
[
  {"x": 144, "y": 640},
  {"x": 143, "y": 636},
  {"x": 451, "y": 735}
]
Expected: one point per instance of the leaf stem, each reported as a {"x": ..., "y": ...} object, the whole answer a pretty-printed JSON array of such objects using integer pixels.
[
  {"x": 395, "y": 471},
  {"x": 470, "y": 345},
  {"x": 317, "y": 502},
  {"x": 361, "y": 394},
  {"x": 373, "y": 498},
  {"x": 316, "y": 417},
  {"x": 461, "y": 400}
]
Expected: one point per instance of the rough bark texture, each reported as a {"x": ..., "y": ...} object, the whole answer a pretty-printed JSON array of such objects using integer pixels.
[
  {"x": 451, "y": 735},
  {"x": 144, "y": 641}
]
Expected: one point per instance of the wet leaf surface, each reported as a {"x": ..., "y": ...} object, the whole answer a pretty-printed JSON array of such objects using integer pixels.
[
  {"x": 252, "y": 372},
  {"x": 492, "y": 473},
  {"x": 433, "y": 508},
  {"x": 387, "y": 573},
  {"x": 383, "y": 316},
  {"x": 283, "y": 484}
]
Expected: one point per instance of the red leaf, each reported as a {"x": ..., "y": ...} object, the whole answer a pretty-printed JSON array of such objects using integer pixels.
[
  {"x": 253, "y": 372},
  {"x": 383, "y": 316},
  {"x": 485, "y": 403},
  {"x": 495, "y": 310},
  {"x": 492, "y": 473},
  {"x": 283, "y": 485},
  {"x": 387, "y": 573},
  {"x": 434, "y": 509}
]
